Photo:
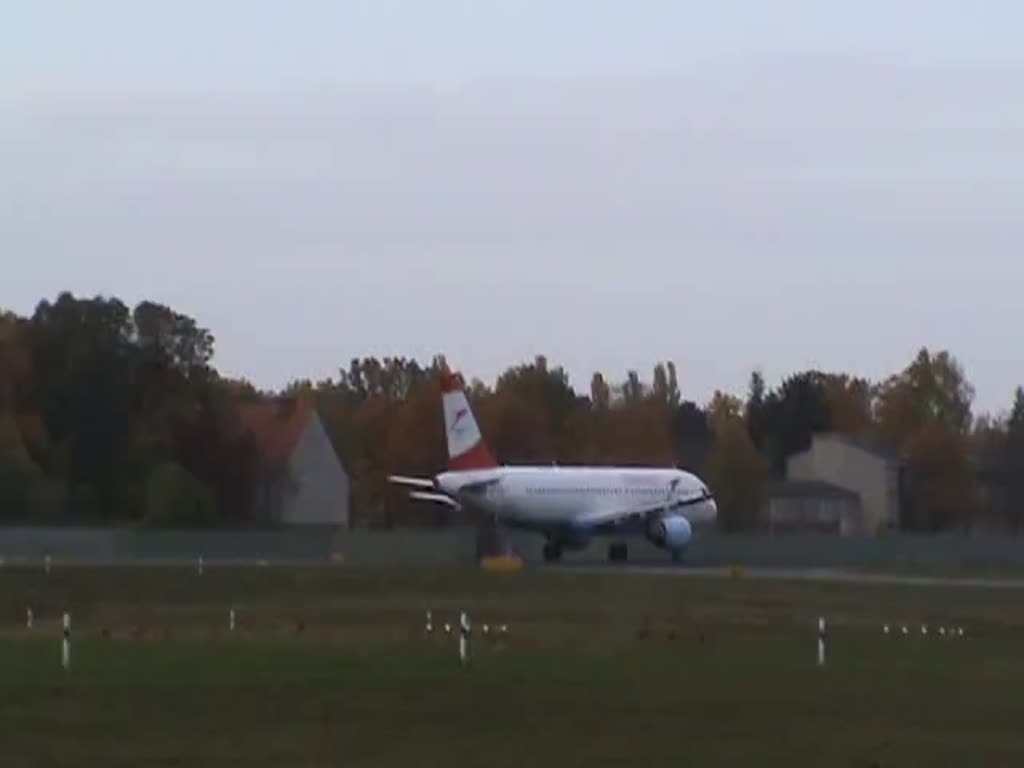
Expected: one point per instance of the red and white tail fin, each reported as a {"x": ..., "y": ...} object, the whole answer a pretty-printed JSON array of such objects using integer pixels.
[{"x": 466, "y": 447}]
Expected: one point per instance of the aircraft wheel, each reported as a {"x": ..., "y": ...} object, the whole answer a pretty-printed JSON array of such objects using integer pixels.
[
  {"x": 618, "y": 552},
  {"x": 552, "y": 551}
]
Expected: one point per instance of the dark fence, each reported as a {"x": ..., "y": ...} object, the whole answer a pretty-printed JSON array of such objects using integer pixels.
[{"x": 461, "y": 545}]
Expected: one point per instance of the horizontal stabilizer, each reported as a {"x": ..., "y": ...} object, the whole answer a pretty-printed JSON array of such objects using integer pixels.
[
  {"x": 415, "y": 482},
  {"x": 440, "y": 498}
]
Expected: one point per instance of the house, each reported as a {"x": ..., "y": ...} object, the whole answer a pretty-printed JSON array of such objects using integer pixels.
[
  {"x": 812, "y": 506},
  {"x": 304, "y": 481},
  {"x": 858, "y": 465}
]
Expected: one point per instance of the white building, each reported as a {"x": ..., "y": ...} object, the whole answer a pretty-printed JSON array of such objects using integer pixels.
[{"x": 869, "y": 469}]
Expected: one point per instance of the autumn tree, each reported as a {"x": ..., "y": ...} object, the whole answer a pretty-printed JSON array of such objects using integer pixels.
[
  {"x": 1013, "y": 460},
  {"x": 214, "y": 447},
  {"x": 925, "y": 410},
  {"x": 176, "y": 498},
  {"x": 784, "y": 420},
  {"x": 14, "y": 361},
  {"x": 373, "y": 461},
  {"x": 531, "y": 405},
  {"x": 737, "y": 472},
  {"x": 391, "y": 378},
  {"x": 674, "y": 396},
  {"x": 757, "y": 417},
  {"x": 691, "y": 437},
  {"x": 665, "y": 385},
  {"x": 849, "y": 401},
  {"x": 170, "y": 338},
  {"x": 932, "y": 389},
  {"x": 416, "y": 446},
  {"x": 632, "y": 390},
  {"x": 600, "y": 393},
  {"x": 939, "y": 483},
  {"x": 84, "y": 388}
]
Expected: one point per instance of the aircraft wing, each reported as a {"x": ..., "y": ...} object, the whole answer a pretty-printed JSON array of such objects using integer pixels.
[{"x": 609, "y": 519}]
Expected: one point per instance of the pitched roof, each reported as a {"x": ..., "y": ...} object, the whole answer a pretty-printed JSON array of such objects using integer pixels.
[
  {"x": 867, "y": 444},
  {"x": 276, "y": 426}
]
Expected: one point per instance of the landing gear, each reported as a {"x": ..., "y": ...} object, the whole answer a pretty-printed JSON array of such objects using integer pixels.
[
  {"x": 618, "y": 552},
  {"x": 552, "y": 551}
]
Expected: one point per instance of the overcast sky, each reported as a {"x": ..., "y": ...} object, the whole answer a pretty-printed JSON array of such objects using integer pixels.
[{"x": 729, "y": 184}]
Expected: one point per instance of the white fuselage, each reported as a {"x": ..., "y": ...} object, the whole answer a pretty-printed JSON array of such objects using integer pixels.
[{"x": 546, "y": 497}]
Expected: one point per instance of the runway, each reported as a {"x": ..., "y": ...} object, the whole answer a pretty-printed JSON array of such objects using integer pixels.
[{"x": 824, "y": 575}]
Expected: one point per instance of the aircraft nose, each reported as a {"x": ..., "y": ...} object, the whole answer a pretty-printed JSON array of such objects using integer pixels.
[{"x": 712, "y": 510}]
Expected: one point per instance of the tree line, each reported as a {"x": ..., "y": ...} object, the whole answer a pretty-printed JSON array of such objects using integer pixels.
[{"x": 113, "y": 414}]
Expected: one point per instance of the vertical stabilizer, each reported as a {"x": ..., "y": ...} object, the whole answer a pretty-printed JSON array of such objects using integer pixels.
[{"x": 466, "y": 448}]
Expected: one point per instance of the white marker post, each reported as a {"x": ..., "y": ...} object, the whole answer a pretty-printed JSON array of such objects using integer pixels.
[
  {"x": 231, "y": 619},
  {"x": 821, "y": 641},
  {"x": 430, "y": 623},
  {"x": 66, "y": 644},
  {"x": 464, "y": 629},
  {"x": 199, "y": 566},
  {"x": 28, "y": 618}
]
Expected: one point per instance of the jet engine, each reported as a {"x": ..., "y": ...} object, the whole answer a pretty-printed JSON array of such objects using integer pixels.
[{"x": 672, "y": 532}]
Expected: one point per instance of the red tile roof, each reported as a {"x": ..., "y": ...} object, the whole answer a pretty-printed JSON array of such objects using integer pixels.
[{"x": 276, "y": 426}]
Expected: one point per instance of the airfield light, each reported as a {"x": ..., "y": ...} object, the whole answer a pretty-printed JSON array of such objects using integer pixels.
[
  {"x": 66, "y": 643},
  {"x": 821, "y": 641},
  {"x": 464, "y": 629}
]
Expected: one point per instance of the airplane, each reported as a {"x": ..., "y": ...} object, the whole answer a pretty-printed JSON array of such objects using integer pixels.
[{"x": 569, "y": 505}]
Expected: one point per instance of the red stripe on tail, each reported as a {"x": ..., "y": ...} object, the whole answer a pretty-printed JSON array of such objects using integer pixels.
[
  {"x": 451, "y": 382},
  {"x": 477, "y": 457}
]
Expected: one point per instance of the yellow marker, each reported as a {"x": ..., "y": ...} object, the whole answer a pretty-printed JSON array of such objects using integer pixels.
[{"x": 501, "y": 564}]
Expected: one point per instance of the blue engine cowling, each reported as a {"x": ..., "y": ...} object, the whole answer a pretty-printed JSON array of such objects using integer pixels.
[{"x": 672, "y": 533}]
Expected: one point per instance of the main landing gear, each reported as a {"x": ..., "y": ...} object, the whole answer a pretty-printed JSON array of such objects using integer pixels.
[
  {"x": 552, "y": 551},
  {"x": 618, "y": 552}
]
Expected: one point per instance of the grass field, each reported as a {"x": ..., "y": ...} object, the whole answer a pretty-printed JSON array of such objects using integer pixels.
[{"x": 330, "y": 666}]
